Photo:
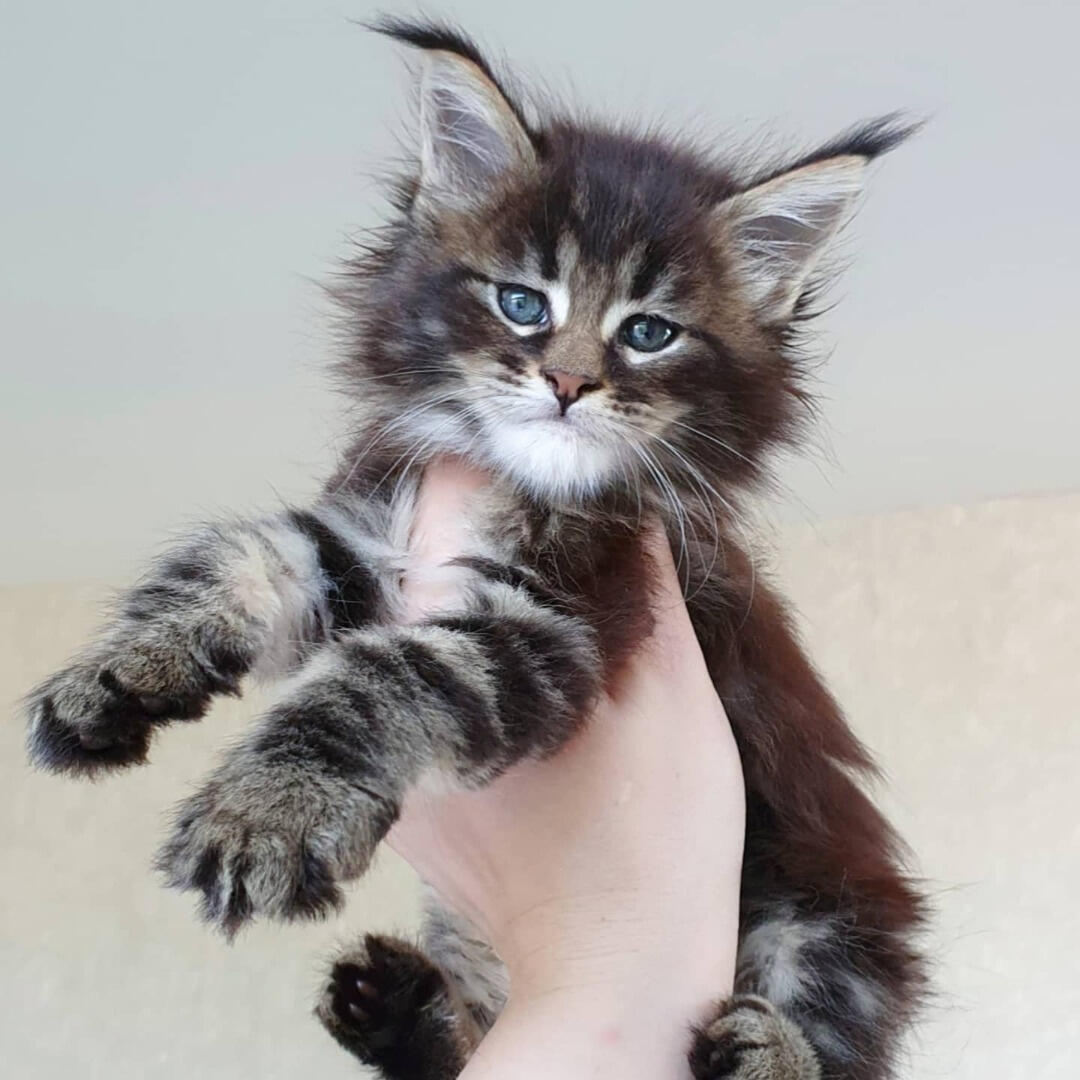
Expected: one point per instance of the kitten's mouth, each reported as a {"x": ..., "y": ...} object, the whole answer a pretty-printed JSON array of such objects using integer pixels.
[
  {"x": 550, "y": 452},
  {"x": 563, "y": 426},
  {"x": 555, "y": 420}
]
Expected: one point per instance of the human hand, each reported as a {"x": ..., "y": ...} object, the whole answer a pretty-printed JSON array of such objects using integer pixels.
[{"x": 606, "y": 877}]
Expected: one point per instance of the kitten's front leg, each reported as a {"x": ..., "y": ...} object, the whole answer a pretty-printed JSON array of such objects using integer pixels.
[
  {"x": 236, "y": 595},
  {"x": 300, "y": 805}
]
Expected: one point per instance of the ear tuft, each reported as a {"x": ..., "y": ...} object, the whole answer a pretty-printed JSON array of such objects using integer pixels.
[
  {"x": 430, "y": 36},
  {"x": 868, "y": 140}
]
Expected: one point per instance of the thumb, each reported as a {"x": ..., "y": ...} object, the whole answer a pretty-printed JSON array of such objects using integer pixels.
[{"x": 673, "y": 642}]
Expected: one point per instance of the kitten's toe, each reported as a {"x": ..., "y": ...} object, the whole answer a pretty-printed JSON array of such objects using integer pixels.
[
  {"x": 390, "y": 1006},
  {"x": 748, "y": 1039}
]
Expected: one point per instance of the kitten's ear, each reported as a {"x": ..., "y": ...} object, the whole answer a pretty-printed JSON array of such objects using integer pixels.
[
  {"x": 779, "y": 230},
  {"x": 470, "y": 135}
]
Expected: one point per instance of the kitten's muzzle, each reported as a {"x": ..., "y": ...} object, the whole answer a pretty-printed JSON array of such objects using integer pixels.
[{"x": 568, "y": 387}]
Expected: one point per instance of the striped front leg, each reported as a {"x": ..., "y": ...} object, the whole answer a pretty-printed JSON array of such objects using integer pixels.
[
  {"x": 231, "y": 597},
  {"x": 300, "y": 805}
]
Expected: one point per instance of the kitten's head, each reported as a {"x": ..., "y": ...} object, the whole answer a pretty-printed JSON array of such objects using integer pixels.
[{"x": 586, "y": 310}]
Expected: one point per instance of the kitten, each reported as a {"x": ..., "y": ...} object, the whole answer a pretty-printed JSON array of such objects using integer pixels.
[{"x": 610, "y": 323}]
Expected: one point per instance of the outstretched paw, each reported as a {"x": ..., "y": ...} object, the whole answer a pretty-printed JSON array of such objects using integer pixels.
[
  {"x": 273, "y": 832},
  {"x": 748, "y": 1039},
  {"x": 99, "y": 714},
  {"x": 390, "y": 1006}
]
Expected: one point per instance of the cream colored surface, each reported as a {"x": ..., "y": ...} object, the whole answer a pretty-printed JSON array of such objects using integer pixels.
[{"x": 950, "y": 634}]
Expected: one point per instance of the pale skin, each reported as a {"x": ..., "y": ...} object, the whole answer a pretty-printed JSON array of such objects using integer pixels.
[{"x": 606, "y": 877}]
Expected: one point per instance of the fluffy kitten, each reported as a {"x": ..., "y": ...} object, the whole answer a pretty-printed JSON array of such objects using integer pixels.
[{"x": 608, "y": 322}]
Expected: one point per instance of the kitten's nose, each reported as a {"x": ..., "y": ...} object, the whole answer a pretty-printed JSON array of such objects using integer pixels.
[{"x": 567, "y": 387}]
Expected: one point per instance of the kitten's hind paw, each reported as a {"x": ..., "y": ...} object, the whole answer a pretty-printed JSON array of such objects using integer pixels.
[
  {"x": 748, "y": 1039},
  {"x": 390, "y": 1006}
]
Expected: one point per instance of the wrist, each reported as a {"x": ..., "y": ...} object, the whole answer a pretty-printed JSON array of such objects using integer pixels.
[
  {"x": 584, "y": 1031},
  {"x": 621, "y": 980},
  {"x": 602, "y": 943}
]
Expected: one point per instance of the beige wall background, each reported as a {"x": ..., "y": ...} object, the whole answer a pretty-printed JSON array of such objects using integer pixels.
[{"x": 950, "y": 634}]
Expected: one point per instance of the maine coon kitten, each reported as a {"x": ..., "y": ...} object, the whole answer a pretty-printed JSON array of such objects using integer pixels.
[{"x": 609, "y": 322}]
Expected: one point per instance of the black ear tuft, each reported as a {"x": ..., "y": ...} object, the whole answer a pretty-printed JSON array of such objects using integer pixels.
[
  {"x": 432, "y": 35},
  {"x": 869, "y": 139}
]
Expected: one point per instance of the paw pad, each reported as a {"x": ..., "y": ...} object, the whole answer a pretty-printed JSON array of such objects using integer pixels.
[{"x": 386, "y": 1002}]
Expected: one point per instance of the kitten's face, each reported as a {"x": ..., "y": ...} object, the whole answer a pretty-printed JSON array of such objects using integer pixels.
[
  {"x": 581, "y": 326},
  {"x": 583, "y": 310}
]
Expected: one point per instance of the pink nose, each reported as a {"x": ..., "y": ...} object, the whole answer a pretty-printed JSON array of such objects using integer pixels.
[{"x": 567, "y": 387}]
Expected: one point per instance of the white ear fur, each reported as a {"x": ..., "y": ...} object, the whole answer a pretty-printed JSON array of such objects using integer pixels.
[
  {"x": 469, "y": 134},
  {"x": 780, "y": 229}
]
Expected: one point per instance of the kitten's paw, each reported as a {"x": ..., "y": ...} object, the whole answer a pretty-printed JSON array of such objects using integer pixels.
[
  {"x": 272, "y": 833},
  {"x": 748, "y": 1039},
  {"x": 390, "y": 1006},
  {"x": 100, "y": 712}
]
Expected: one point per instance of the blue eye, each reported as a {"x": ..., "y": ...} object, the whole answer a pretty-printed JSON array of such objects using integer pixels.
[
  {"x": 648, "y": 333},
  {"x": 523, "y": 306}
]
